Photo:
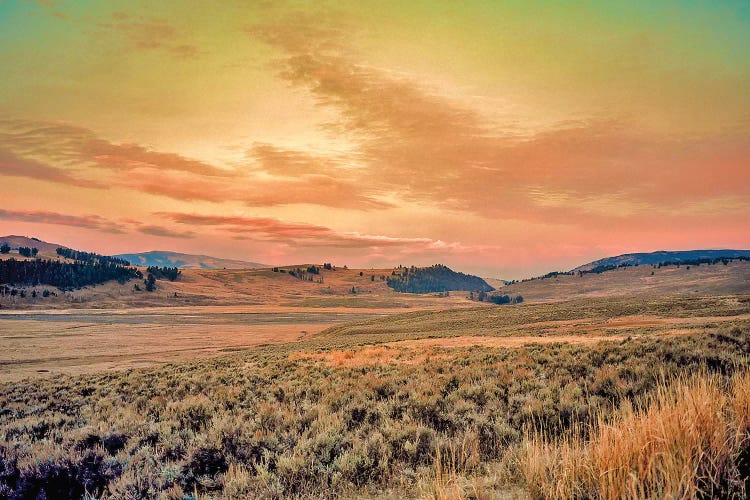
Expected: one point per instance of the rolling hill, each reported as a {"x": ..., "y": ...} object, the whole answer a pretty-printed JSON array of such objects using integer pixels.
[
  {"x": 437, "y": 278},
  {"x": 16, "y": 241},
  {"x": 661, "y": 257},
  {"x": 716, "y": 279},
  {"x": 186, "y": 261}
]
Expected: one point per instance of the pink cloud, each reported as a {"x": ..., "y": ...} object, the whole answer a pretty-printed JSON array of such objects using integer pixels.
[{"x": 78, "y": 221}]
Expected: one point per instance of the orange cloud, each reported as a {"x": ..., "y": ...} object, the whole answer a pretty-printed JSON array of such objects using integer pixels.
[
  {"x": 132, "y": 156},
  {"x": 13, "y": 166},
  {"x": 41, "y": 217},
  {"x": 425, "y": 147},
  {"x": 287, "y": 163},
  {"x": 164, "y": 232},
  {"x": 252, "y": 191},
  {"x": 317, "y": 180},
  {"x": 269, "y": 229}
]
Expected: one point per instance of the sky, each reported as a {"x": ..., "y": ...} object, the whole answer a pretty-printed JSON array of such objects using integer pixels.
[{"x": 504, "y": 138}]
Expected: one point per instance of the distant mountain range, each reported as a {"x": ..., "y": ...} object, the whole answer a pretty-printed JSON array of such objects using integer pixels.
[
  {"x": 186, "y": 261},
  {"x": 660, "y": 257},
  {"x": 155, "y": 258},
  {"x": 190, "y": 261}
]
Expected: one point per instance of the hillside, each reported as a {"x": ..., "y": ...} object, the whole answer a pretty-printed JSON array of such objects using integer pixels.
[
  {"x": 716, "y": 279},
  {"x": 15, "y": 241},
  {"x": 186, "y": 261},
  {"x": 661, "y": 257},
  {"x": 437, "y": 278},
  {"x": 243, "y": 288}
]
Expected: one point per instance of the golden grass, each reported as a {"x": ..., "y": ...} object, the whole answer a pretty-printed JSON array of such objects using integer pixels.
[
  {"x": 352, "y": 358},
  {"x": 685, "y": 443}
]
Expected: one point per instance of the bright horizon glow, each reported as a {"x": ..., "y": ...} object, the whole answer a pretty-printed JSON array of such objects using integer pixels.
[{"x": 506, "y": 139}]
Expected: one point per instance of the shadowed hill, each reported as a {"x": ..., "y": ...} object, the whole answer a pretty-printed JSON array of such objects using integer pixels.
[{"x": 437, "y": 278}]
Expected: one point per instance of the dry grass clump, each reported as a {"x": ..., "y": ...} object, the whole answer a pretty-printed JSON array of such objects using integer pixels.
[
  {"x": 353, "y": 357},
  {"x": 690, "y": 440}
]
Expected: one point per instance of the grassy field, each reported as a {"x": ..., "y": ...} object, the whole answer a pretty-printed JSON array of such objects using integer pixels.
[{"x": 482, "y": 402}]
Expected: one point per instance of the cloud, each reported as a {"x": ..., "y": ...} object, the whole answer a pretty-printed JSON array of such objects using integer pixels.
[
  {"x": 422, "y": 146},
  {"x": 311, "y": 235},
  {"x": 130, "y": 157},
  {"x": 93, "y": 222},
  {"x": 14, "y": 166},
  {"x": 249, "y": 189},
  {"x": 71, "y": 145},
  {"x": 149, "y": 34},
  {"x": 289, "y": 163},
  {"x": 263, "y": 181},
  {"x": 165, "y": 232},
  {"x": 83, "y": 222}
]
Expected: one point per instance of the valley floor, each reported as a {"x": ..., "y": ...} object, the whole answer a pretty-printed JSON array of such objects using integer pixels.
[
  {"x": 482, "y": 402},
  {"x": 55, "y": 342}
]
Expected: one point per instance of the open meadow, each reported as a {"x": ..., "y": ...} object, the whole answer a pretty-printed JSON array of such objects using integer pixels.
[
  {"x": 479, "y": 402},
  {"x": 204, "y": 313}
]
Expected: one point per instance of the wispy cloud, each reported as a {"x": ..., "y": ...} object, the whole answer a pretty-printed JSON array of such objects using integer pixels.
[
  {"x": 311, "y": 235},
  {"x": 128, "y": 157},
  {"x": 82, "y": 158},
  {"x": 14, "y": 166},
  {"x": 426, "y": 147},
  {"x": 149, "y": 34},
  {"x": 164, "y": 231},
  {"x": 83, "y": 222}
]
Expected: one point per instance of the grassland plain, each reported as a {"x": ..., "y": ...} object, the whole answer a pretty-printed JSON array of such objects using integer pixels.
[
  {"x": 50, "y": 343},
  {"x": 370, "y": 409}
]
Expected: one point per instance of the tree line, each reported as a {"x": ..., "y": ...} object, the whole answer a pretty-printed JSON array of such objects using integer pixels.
[
  {"x": 90, "y": 257},
  {"x": 64, "y": 275},
  {"x": 164, "y": 273}
]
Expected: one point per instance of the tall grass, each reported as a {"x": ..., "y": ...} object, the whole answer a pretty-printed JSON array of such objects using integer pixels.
[{"x": 690, "y": 440}]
